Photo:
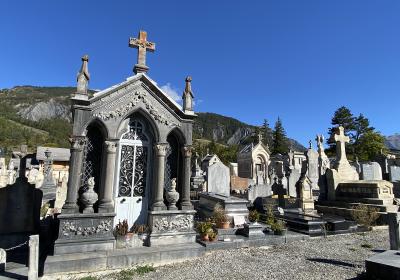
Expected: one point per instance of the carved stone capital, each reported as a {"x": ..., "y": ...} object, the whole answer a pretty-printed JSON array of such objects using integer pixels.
[
  {"x": 187, "y": 151},
  {"x": 161, "y": 149},
  {"x": 111, "y": 147},
  {"x": 77, "y": 142}
]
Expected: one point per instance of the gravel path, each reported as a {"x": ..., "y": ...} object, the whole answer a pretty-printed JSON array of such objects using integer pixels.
[{"x": 336, "y": 257}]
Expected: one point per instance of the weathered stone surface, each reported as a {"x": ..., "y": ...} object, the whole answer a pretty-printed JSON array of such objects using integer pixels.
[
  {"x": 3, "y": 260},
  {"x": 371, "y": 171},
  {"x": 393, "y": 220},
  {"x": 218, "y": 179},
  {"x": 384, "y": 266},
  {"x": 394, "y": 173}
]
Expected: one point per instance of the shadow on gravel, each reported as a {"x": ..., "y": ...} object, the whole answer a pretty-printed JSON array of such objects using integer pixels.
[
  {"x": 378, "y": 250},
  {"x": 333, "y": 262}
]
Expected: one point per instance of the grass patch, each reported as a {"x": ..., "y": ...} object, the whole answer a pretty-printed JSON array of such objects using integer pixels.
[
  {"x": 127, "y": 274},
  {"x": 366, "y": 245},
  {"x": 143, "y": 269}
]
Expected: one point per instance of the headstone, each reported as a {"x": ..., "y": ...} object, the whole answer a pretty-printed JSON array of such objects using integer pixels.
[
  {"x": 394, "y": 173},
  {"x": 394, "y": 231},
  {"x": 312, "y": 166},
  {"x": 3, "y": 260},
  {"x": 49, "y": 186},
  {"x": 371, "y": 171},
  {"x": 218, "y": 179}
]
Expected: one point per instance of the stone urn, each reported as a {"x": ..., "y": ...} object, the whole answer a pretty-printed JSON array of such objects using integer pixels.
[
  {"x": 172, "y": 195},
  {"x": 89, "y": 197}
]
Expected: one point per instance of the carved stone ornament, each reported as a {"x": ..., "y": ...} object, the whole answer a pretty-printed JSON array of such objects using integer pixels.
[
  {"x": 111, "y": 146},
  {"x": 187, "y": 151},
  {"x": 172, "y": 195},
  {"x": 70, "y": 229},
  {"x": 176, "y": 223},
  {"x": 161, "y": 149},
  {"x": 77, "y": 142},
  {"x": 89, "y": 197},
  {"x": 128, "y": 105}
]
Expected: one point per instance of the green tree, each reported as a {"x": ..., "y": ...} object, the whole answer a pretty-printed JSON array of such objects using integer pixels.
[
  {"x": 341, "y": 117},
  {"x": 267, "y": 133},
  {"x": 280, "y": 141},
  {"x": 369, "y": 145}
]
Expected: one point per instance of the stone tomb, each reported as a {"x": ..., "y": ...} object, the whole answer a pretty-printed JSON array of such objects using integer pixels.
[
  {"x": 371, "y": 171},
  {"x": 394, "y": 173},
  {"x": 134, "y": 140}
]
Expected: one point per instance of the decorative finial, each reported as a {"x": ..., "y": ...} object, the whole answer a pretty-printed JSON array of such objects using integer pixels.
[
  {"x": 143, "y": 46},
  {"x": 83, "y": 80},
  {"x": 188, "y": 97},
  {"x": 260, "y": 137}
]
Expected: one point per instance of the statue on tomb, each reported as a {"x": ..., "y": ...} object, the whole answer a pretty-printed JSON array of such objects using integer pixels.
[{"x": 11, "y": 173}]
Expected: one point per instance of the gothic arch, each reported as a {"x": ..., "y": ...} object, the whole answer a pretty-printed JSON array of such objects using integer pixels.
[{"x": 99, "y": 124}]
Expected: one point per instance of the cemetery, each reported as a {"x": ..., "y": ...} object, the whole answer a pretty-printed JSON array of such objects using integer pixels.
[{"x": 132, "y": 190}]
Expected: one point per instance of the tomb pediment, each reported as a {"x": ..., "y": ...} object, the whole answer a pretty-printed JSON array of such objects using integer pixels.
[{"x": 136, "y": 92}]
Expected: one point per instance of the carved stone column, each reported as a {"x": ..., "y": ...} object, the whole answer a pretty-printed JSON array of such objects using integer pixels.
[
  {"x": 158, "y": 197},
  {"x": 187, "y": 157},
  {"x": 75, "y": 172},
  {"x": 106, "y": 202}
]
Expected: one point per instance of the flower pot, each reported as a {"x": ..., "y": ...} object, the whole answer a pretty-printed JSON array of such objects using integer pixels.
[
  {"x": 224, "y": 225},
  {"x": 204, "y": 237}
]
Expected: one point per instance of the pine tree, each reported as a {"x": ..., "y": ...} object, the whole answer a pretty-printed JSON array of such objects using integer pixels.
[
  {"x": 268, "y": 134},
  {"x": 280, "y": 142},
  {"x": 341, "y": 117}
]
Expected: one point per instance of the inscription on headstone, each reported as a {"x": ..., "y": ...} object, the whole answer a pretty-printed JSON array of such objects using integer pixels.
[{"x": 371, "y": 171}]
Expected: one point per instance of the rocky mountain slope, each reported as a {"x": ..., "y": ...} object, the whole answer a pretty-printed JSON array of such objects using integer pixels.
[{"x": 48, "y": 109}]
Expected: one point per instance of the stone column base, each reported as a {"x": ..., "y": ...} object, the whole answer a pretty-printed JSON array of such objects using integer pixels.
[
  {"x": 80, "y": 233},
  {"x": 171, "y": 227}
]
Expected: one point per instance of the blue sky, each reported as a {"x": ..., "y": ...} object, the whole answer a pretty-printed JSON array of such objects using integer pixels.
[{"x": 250, "y": 60}]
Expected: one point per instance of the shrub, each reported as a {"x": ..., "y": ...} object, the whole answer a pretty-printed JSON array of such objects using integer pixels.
[
  {"x": 254, "y": 216},
  {"x": 219, "y": 215},
  {"x": 121, "y": 229},
  {"x": 204, "y": 227},
  {"x": 278, "y": 226},
  {"x": 365, "y": 215}
]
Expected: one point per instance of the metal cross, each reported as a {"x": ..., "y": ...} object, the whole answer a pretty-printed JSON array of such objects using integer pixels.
[{"x": 143, "y": 46}]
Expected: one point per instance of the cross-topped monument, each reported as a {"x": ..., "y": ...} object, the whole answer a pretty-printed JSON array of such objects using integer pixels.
[
  {"x": 341, "y": 139},
  {"x": 143, "y": 46}
]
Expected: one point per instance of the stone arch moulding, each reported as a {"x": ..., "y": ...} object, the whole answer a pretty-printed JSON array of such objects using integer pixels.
[
  {"x": 138, "y": 111},
  {"x": 177, "y": 132},
  {"x": 99, "y": 124}
]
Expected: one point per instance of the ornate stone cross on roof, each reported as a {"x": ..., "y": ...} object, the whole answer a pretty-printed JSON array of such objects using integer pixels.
[
  {"x": 341, "y": 139},
  {"x": 143, "y": 46}
]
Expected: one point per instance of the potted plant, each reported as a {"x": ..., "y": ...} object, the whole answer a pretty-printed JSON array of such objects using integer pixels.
[
  {"x": 279, "y": 227},
  {"x": 141, "y": 233},
  {"x": 121, "y": 232},
  {"x": 204, "y": 229},
  {"x": 254, "y": 216},
  {"x": 220, "y": 218},
  {"x": 212, "y": 236}
]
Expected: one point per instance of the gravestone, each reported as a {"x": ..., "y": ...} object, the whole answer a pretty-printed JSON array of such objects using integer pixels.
[
  {"x": 218, "y": 179},
  {"x": 49, "y": 186},
  {"x": 3, "y": 260},
  {"x": 371, "y": 171},
  {"x": 394, "y": 173},
  {"x": 394, "y": 231}
]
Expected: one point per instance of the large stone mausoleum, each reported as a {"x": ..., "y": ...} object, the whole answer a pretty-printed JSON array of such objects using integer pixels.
[{"x": 135, "y": 142}]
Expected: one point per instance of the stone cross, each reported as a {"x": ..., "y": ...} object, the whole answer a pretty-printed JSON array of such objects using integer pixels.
[
  {"x": 341, "y": 139},
  {"x": 260, "y": 137},
  {"x": 142, "y": 45}
]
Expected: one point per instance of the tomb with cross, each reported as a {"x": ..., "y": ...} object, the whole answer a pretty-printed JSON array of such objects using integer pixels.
[{"x": 143, "y": 46}]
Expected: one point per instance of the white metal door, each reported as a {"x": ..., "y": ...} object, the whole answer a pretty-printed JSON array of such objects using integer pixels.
[{"x": 131, "y": 201}]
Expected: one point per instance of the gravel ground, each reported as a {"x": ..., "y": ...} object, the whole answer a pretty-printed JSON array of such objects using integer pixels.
[{"x": 335, "y": 257}]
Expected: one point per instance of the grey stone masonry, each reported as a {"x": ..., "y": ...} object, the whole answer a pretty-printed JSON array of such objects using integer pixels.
[{"x": 393, "y": 220}]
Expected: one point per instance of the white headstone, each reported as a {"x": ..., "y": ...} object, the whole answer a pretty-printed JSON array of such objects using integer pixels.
[
  {"x": 218, "y": 179},
  {"x": 371, "y": 171},
  {"x": 394, "y": 173}
]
